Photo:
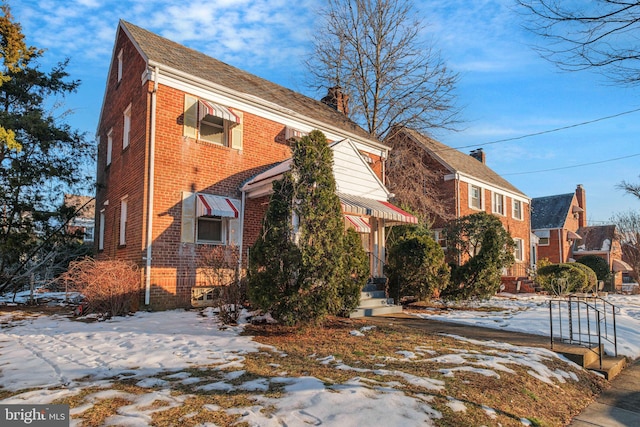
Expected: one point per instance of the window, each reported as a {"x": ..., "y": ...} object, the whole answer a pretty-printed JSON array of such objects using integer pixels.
[
  {"x": 109, "y": 146},
  {"x": 211, "y": 122},
  {"x": 126, "y": 130},
  {"x": 123, "y": 220},
  {"x": 543, "y": 237},
  {"x": 120, "y": 65},
  {"x": 517, "y": 209},
  {"x": 88, "y": 234},
  {"x": 518, "y": 251},
  {"x": 213, "y": 129},
  {"x": 475, "y": 197},
  {"x": 211, "y": 230},
  {"x": 101, "y": 235},
  {"x": 439, "y": 237},
  {"x": 498, "y": 203}
]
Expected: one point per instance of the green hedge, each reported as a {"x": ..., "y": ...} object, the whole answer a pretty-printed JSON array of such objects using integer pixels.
[{"x": 561, "y": 279}]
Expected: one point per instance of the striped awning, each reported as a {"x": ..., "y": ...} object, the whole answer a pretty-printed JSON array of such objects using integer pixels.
[
  {"x": 209, "y": 205},
  {"x": 363, "y": 206},
  {"x": 360, "y": 224},
  {"x": 573, "y": 236},
  {"x": 619, "y": 265},
  {"x": 208, "y": 108}
]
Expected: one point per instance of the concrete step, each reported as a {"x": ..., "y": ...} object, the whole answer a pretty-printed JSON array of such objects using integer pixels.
[
  {"x": 611, "y": 366},
  {"x": 588, "y": 359},
  {"x": 375, "y": 311},
  {"x": 375, "y": 302},
  {"x": 372, "y": 294}
]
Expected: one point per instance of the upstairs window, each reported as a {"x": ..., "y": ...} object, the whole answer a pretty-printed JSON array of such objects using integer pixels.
[
  {"x": 475, "y": 197},
  {"x": 211, "y": 122},
  {"x": 517, "y": 209},
  {"x": 109, "y": 146},
  {"x": 498, "y": 203},
  {"x": 126, "y": 128},
  {"x": 120, "y": 65}
]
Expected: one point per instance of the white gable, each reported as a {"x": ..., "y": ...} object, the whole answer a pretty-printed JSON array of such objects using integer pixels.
[{"x": 353, "y": 175}]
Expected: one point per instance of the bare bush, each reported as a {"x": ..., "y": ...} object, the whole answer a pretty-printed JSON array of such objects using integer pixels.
[
  {"x": 109, "y": 287},
  {"x": 220, "y": 267}
]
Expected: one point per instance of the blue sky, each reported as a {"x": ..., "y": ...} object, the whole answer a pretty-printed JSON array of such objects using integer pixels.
[{"x": 506, "y": 90}]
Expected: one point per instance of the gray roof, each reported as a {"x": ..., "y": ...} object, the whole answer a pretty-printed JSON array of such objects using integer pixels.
[
  {"x": 457, "y": 161},
  {"x": 593, "y": 237},
  {"x": 550, "y": 211},
  {"x": 197, "y": 64}
]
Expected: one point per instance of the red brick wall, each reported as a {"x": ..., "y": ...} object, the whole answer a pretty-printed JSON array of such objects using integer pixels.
[
  {"x": 520, "y": 229},
  {"x": 125, "y": 176}
]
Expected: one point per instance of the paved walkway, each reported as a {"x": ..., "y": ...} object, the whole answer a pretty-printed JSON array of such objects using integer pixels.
[{"x": 618, "y": 406}]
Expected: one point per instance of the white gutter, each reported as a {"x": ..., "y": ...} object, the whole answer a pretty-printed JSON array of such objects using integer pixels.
[{"x": 152, "y": 144}]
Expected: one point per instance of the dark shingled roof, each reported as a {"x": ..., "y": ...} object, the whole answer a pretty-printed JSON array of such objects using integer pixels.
[
  {"x": 593, "y": 237},
  {"x": 550, "y": 211},
  {"x": 457, "y": 161},
  {"x": 197, "y": 64}
]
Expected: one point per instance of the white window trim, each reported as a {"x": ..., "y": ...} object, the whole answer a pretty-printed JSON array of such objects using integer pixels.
[
  {"x": 494, "y": 205},
  {"x": 109, "y": 145},
  {"x": 126, "y": 128},
  {"x": 480, "y": 194},
  {"x": 224, "y": 225},
  {"x": 120, "y": 65},
  {"x": 124, "y": 206},
  {"x": 520, "y": 247},
  {"x": 513, "y": 209},
  {"x": 101, "y": 235}
]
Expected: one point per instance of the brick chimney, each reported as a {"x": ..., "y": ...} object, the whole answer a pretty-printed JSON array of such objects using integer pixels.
[
  {"x": 337, "y": 100},
  {"x": 581, "y": 195},
  {"x": 479, "y": 155}
]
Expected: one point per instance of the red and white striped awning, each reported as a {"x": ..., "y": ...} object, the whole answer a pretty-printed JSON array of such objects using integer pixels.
[
  {"x": 364, "y": 206},
  {"x": 208, "y": 108},
  {"x": 209, "y": 205},
  {"x": 360, "y": 224}
]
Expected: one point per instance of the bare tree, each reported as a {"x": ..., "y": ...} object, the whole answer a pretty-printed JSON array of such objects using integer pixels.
[
  {"x": 598, "y": 34},
  {"x": 628, "y": 225},
  {"x": 375, "y": 52},
  {"x": 630, "y": 188},
  {"x": 416, "y": 184}
]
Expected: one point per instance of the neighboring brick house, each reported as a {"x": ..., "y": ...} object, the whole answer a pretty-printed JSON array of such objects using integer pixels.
[
  {"x": 602, "y": 241},
  {"x": 474, "y": 187},
  {"x": 555, "y": 221},
  {"x": 84, "y": 221},
  {"x": 180, "y": 134}
]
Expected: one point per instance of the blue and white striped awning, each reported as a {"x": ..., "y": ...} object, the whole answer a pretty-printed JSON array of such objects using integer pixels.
[{"x": 208, "y": 108}]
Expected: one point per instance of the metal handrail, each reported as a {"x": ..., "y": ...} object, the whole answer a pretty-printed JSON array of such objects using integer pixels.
[{"x": 595, "y": 310}]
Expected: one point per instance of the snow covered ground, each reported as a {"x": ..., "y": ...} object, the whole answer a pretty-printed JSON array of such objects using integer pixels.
[
  {"x": 530, "y": 313},
  {"x": 55, "y": 357}
]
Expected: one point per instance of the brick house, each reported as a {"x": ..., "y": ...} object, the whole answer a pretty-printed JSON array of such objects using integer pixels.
[
  {"x": 560, "y": 223},
  {"x": 182, "y": 138},
  {"x": 84, "y": 221},
  {"x": 473, "y": 187},
  {"x": 602, "y": 241},
  {"x": 555, "y": 220}
]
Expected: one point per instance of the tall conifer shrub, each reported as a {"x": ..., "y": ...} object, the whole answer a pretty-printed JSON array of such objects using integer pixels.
[{"x": 299, "y": 270}]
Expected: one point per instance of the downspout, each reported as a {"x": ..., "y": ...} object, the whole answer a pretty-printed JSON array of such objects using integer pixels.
[
  {"x": 560, "y": 244},
  {"x": 241, "y": 238},
  {"x": 152, "y": 144}
]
